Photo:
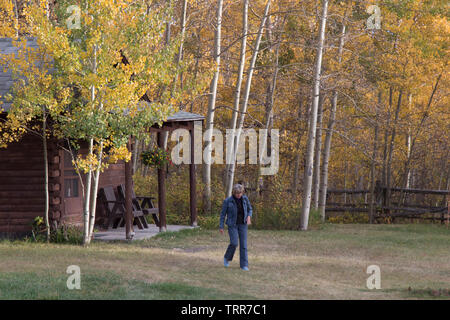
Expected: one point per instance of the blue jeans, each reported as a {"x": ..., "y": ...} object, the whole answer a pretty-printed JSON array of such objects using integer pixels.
[{"x": 235, "y": 232}]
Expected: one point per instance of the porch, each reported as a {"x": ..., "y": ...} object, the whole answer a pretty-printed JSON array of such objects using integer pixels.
[
  {"x": 140, "y": 234},
  {"x": 180, "y": 120}
]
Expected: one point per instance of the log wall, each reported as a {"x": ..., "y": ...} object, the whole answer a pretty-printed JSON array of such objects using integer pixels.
[{"x": 22, "y": 195}]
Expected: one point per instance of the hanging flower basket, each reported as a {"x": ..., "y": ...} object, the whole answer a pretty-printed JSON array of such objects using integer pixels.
[{"x": 157, "y": 158}]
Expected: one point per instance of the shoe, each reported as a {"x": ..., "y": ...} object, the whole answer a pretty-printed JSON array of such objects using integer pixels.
[
  {"x": 245, "y": 268},
  {"x": 226, "y": 263}
]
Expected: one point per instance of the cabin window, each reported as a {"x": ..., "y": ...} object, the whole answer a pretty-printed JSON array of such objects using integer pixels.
[
  {"x": 71, "y": 188},
  {"x": 68, "y": 158},
  {"x": 71, "y": 182}
]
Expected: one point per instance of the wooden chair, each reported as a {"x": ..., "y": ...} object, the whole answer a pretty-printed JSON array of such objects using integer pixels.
[
  {"x": 115, "y": 209},
  {"x": 144, "y": 204}
]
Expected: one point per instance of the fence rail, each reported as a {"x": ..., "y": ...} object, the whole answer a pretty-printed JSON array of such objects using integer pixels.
[
  {"x": 405, "y": 190},
  {"x": 384, "y": 207}
]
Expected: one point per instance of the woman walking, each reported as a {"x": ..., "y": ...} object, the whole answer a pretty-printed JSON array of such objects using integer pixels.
[{"x": 238, "y": 211}]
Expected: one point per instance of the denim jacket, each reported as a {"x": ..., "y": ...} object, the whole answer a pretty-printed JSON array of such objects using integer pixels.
[{"x": 229, "y": 209}]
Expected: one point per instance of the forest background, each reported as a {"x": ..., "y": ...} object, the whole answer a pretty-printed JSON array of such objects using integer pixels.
[{"x": 357, "y": 89}]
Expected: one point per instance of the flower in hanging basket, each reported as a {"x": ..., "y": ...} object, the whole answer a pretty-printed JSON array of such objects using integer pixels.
[{"x": 156, "y": 158}]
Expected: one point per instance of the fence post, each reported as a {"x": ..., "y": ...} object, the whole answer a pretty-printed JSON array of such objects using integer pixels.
[{"x": 448, "y": 211}]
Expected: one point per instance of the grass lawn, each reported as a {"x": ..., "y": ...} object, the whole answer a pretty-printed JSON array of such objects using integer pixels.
[{"x": 329, "y": 262}]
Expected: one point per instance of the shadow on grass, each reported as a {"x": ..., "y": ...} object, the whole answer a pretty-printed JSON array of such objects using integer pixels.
[{"x": 105, "y": 286}]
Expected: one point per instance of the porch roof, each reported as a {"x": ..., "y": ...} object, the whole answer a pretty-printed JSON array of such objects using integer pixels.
[{"x": 184, "y": 116}]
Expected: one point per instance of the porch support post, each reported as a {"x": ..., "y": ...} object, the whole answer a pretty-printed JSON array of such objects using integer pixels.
[
  {"x": 128, "y": 194},
  {"x": 162, "y": 188},
  {"x": 192, "y": 181}
]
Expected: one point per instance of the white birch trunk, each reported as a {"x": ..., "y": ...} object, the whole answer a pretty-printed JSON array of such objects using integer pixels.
[
  {"x": 408, "y": 145},
  {"x": 247, "y": 94},
  {"x": 16, "y": 22},
  {"x": 180, "y": 49},
  {"x": 237, "y": 93},
  {"x": 47, "y": 196},
  {"x": 95, "y": 191},
  {"x": 87, "y": 198},
  {"x": 183, "y": 31},
  {"x": 88, "y": 186},
  {"x": 373, "y": 163},
  {"x": 391, "y": 150},
  {"x": 316, "y": 175},
  {"x": 328, "y": 136},
  {"x": 271, "y": 88},
  {"x": 295, "y": 179},
  {"x": 309, "y": 160},
  {"x": 210, "y": 115},
  {"x": 135, "y": 155}
]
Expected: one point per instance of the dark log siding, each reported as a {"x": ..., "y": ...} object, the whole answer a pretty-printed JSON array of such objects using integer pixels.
[
  {"x": 21, "y": 184},
  {"x": 22, "y": 196}
]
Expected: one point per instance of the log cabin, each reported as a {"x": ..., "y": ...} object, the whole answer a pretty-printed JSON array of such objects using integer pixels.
[{"x": 22, "y": 195}]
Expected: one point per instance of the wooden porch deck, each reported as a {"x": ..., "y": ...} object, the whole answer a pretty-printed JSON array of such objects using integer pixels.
[{"x": 119, "y": 233}]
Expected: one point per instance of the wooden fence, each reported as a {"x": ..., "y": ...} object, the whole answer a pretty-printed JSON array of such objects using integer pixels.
[
  {"x": 398, "y": 203},
  {"x": 401, "y": 203}
]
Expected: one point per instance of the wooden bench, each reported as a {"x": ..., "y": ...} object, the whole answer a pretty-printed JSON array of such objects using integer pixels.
[
  {"x": 144, "y": 204},
  {"x": 115, "y": 209}
]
